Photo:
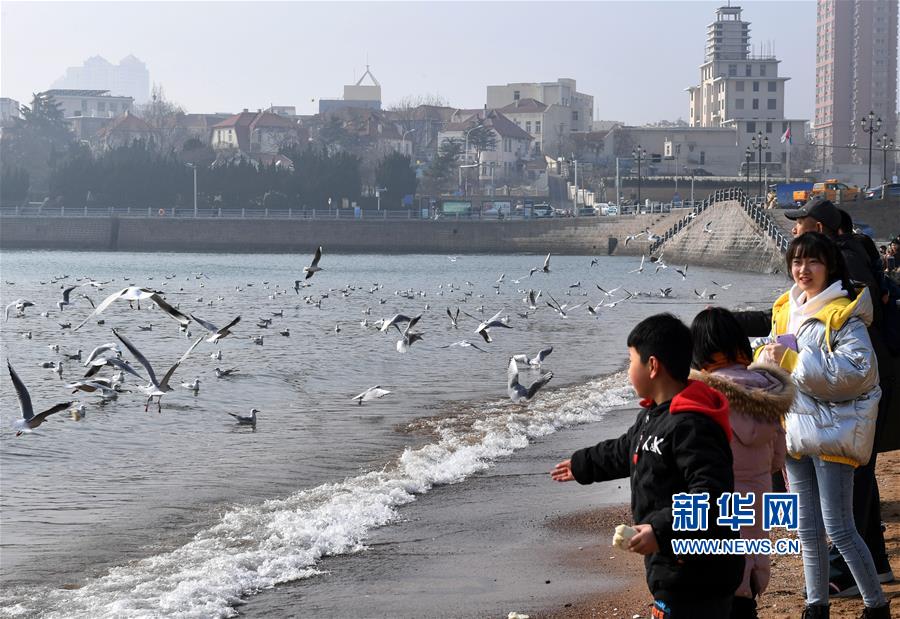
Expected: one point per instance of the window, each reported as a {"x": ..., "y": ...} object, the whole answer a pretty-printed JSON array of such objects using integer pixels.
[
  {"x": 739, "y": 86},
  {"x": 756, "y": 104},
  {"x": 762, "y": 70},
  {"x": 516, "y": 95},
  {"x": 732, "y": 70},
  {"x": 747, "y": 70},
  {"x": 574, "y": 116},
  {"x": 112, "y": 107},
  {"x": 768, "y": 127},
  {"x": 773, "y": 86},
  {"x": 738, "y": 104},
  {"x": 702, "y": 157},
  {"x": 755, "y": 86},
  {"x": 768, "y": 156},
  {"x": 84, "y": 105},
  {"x": 507, "y": 145},
  {"x": 101, "y": 106},
  {"x": 537, "y": 126},
  {"x": 772, "y": 104},
  {"x": 528, "y": 126},
  {"x": 751, "y": 127}
]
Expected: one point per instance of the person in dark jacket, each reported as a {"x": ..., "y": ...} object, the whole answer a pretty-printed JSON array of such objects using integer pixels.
[{"x": 679, "y": 443}]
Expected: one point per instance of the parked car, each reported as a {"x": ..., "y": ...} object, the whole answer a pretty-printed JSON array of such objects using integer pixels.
[
  {"x": 542, "y": 210},
  {"x": 612, "y": 209},
  {"x": 891, "y": 190},
  {"x": 586, "y": 211},
  {"x": 829, "y": 190}
]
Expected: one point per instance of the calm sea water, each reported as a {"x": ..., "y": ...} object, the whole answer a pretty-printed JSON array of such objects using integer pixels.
[{"x": 185, "y": 512}]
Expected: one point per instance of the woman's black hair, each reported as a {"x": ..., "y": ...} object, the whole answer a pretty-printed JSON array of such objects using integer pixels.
[
  {"x": 716, "y": 330},
  {"x": 817, "y": 245}
]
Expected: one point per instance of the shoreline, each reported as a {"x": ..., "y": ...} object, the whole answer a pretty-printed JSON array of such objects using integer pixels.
[{"x": 784, "y": 598}]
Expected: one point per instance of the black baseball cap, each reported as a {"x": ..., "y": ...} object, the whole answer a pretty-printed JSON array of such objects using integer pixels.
[{"x": 823, "y": 211}]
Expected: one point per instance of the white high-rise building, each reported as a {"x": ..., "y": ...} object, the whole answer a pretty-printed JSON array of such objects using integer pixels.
[
  {"x": 129, "y": 78},
  {"x": 743, "y": 90}
]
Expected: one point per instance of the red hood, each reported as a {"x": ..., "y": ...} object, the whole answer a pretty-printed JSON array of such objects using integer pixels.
[{"x": 698, "y": 397}]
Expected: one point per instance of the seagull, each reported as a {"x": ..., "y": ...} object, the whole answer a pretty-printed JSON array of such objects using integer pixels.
[
  {"x": 217, "y": 333},
  {"x": 372, "y": 393},
  {"x": 246, "y": 420},
  {"x": 408, "y": 338},
  {"x": 130, "y": 294},
  {"x": 285, "y": 332},
  {"x": 531, "y": 299},
  {"x": 110, "y": 346},
  {"x": 217, "y": 355},
  {"x": 65, "y": 298},
  {"x": 708, "y": 227},
  {"x": 29, "y": 420},
  {"x": 20, "y": 305},
  {"x": 194, "y": 386},
  {"x": 652, "y": 238},
  {"x": 397, "y": 318},
  {"x": 314, "y": 267},
  {"x": 74, "y": 357},
  {"x": 561, "y": 309},
  {"x": 535, "y": 361},
  {"x": 704, "y": 295},
  {"x": 484, "y": 328},
  {"x": 156, "y": 387},
  {"x": 98, "y": 363},
  {"x": 454, "y": 319},
  {"x": 545, "y": 268},
  {"x": 640, "y": 269},
  {"x": 606, "y": 293},
  {"x": 722, "y": 286},
  {"x": 632, "y": 237},
  {"x": 682, "y": 272},
  {"x": 665, "y": 292},
  {"x": 464, "y": 344},
  {"x": 516, "y": 391},
  {"x": 225, "y": 373}
]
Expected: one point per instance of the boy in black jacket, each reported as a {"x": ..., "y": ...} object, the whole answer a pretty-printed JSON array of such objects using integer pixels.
[{"x": 678, "y": 444}]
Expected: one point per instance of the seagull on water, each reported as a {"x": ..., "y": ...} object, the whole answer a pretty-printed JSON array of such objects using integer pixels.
[
  {"x": 194, "y": 386},
  {"x": 225, "y": 373},
  {"x": 246, "y": 420},
  {"x": 372, "y": 393},
  {"x": 516, "y": 391},
  {"x": 30, "y": 420}
]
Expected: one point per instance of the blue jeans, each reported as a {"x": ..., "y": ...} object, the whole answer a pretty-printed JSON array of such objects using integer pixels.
[{"x": 825, "y": 492}]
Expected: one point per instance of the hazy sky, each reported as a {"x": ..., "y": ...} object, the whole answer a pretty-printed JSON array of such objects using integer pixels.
[{"x": 635, "y": 58}]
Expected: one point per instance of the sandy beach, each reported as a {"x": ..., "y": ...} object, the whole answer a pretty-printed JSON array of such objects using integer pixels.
[{"x": 783, "y": 599}]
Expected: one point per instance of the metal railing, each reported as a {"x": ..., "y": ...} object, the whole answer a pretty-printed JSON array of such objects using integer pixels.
[{"x": 754, "y": 207}]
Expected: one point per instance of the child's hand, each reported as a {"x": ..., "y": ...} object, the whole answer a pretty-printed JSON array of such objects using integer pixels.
[
  {"x": 563, "y": 471},
  {"x": 644, "y": 541},
  {"x": 773, "y": 353}
]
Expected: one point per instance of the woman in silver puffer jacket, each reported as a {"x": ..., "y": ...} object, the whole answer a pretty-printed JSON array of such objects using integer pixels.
[{"x": 819, "y": 335}]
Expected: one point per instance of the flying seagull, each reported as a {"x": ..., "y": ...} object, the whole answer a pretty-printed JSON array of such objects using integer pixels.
[
  {"x": 464, "y": 344},
  {"x": 535, "y": 361},
  {"x": 516, "y": 391},
  {"x": 29, "y": 420},
  {"x": 484, "y": 328},
  {"x": 130, "y": 294},
  {"x": 454, "y": 318},
  {"x": 314, "y": 267},
  {"x": 20, "y": 305},
  {"x": 217, "y": 333},
  {"x": 372, "y": 393},
  {"x": 65, "y": 298},
  {"x": 407, "y": 337},
  {"x": 156, "y": 388},
  {"x": 545, "y": 268}
]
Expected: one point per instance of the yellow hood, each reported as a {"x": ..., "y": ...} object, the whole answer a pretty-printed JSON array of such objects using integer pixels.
[{"x": 834, "y": 315}]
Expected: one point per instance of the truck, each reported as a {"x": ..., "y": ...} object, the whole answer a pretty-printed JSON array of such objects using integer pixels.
[
  {"x": 831, "y": 189},
  {"x": 786, "y": 194}
]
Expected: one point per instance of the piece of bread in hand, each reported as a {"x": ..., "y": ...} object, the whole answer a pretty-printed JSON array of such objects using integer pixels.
[{"x": 623, "y": 535}]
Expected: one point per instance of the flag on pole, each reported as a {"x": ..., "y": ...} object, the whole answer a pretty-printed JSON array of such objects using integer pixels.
[{"x": 787, "y": 136}]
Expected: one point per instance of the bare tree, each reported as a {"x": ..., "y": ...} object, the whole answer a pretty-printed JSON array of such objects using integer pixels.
[{"x": 162, "y": 115}]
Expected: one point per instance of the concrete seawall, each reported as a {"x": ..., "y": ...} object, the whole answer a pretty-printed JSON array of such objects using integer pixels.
[{"x": 583, "y": 235}]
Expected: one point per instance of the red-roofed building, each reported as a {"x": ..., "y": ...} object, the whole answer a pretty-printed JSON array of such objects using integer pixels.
[
  {"x": 251, "y": 133},
  {"x": 506, "y": 158}
]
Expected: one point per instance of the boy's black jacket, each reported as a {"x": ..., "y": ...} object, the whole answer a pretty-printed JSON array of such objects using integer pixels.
[{"x": 677, "y": 446}]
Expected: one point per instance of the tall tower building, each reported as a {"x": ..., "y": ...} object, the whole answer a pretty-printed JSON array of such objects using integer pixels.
[
  {"x": 129, "y": 78},
  {"x": 856, "y": 72},
  {"x": 741, "y": 89}
]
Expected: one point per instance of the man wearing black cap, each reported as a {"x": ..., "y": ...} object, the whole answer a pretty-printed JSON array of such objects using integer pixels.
[{"x": 821, "y": 215}]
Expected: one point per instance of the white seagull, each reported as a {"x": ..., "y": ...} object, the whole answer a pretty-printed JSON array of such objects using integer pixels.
[
  {"x": 246, "y": 420},
  {"x": 484, "y": 328},
  {"x": 535, "y": 361},
  {"x": 518, "y": 393},
  {"x": 29, "y": 420},
  {"x": 372, "y": 393},
  {"x": 314, "y": 267},
  {"x": 217, "y": 333}
]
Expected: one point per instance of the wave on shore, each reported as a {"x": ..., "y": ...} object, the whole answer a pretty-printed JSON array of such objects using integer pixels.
[{"x": 255, "y": 547}]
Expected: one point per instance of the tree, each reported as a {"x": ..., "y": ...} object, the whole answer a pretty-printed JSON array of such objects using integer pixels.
[
  {"x": 443, "y": 168},
  {"x": 13, "y": 184},
  {"x": 162, "y": 115},
  {"x": 397, "y": 176},
  {"x": 37, "y": 142}
]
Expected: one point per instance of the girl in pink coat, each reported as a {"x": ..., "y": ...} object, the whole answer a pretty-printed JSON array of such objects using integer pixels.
[{"x": 758, "y": 398}]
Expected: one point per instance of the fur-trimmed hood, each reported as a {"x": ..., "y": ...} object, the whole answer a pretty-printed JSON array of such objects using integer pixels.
[{"x": 762, "y": 391}]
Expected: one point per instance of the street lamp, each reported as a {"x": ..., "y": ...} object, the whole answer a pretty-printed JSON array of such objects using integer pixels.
[
  {"x": 378, "y": 191},
  {"x": 760, "y": 143},
  {"x": 748, "y": 157},
  {"x": 886, "y": 144},
  {"x": 194, "y": 168},
  {"x": 870, "y": 124},
  {"x": 403, "y": 141},
  {"x": 639, "y": 154}
]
